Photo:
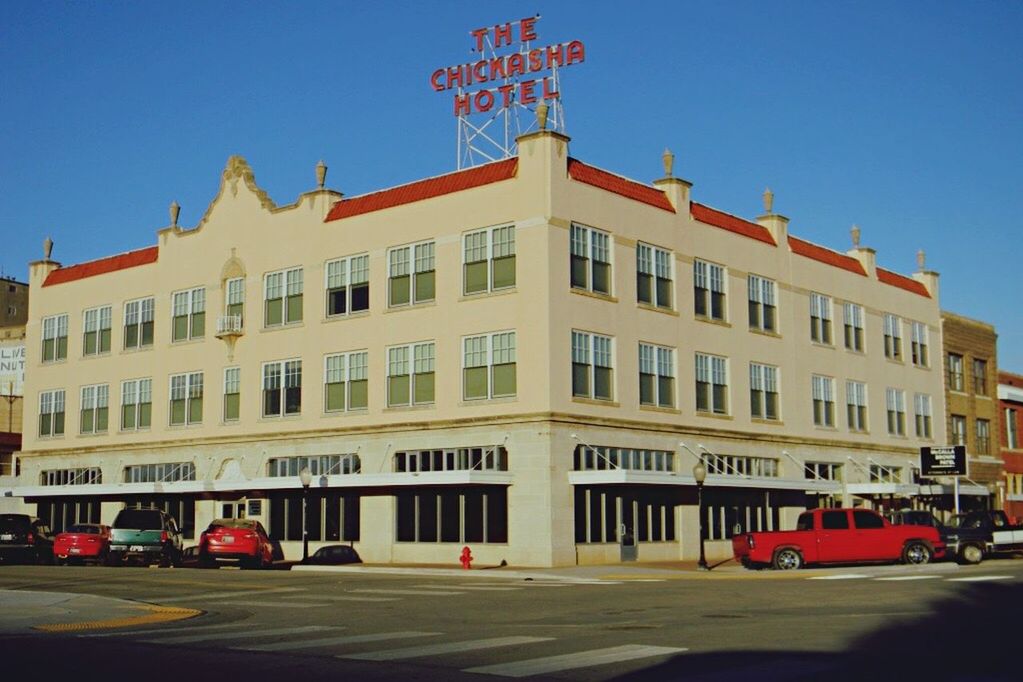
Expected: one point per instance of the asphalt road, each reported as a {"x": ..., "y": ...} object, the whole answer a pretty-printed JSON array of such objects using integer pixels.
[{"x": 935, "y": 622}]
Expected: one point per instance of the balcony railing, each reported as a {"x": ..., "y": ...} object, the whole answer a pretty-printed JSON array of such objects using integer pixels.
[{"x": 229, "y": 325}]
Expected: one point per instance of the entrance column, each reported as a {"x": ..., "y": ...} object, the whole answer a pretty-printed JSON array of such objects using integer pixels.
[{"x": 376, "y": 528}]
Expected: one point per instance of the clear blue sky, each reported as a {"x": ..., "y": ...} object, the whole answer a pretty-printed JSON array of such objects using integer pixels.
[{"x": 903, "y": 117}]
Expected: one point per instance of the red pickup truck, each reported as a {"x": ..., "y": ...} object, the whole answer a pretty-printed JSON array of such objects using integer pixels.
[{"x": 838, "y": 536}]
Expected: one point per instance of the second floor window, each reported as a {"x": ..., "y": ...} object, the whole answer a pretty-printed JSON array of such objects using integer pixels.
[
  {"x": 653, "y": 276},
  {"x": 823, "y": 389},
  {"x": 656, "y": 375},
  {"x": 51, "y": 413},
  {"x": 489, "y": 259},
  {"x": 957, "y": 423},
  {"x": 820, "y": 318},
  {"x": 980, "y": 377},
  {"x": 138, "y": 323},
  {"x": 410, "y": 374},
  {"x": 412, "y": 275},
  {"x": 856, "y": 405},
  {"x": 347, "y": 285},
  {"x": 186, "y": 392},
  {"x": 283, "y": 293},
  {"x": 95, "y": 408},
  {"x": 895, "y": 401},
  {"x": 983, "y": 437},
  {"x": 762, "y": 309},
  {"x": 96, "y": 336},
  {"x": 54, "y": 338},
  {"x": 711, "y": 384},
  {"x": 892, "y": 337},
  {"x": 282, "y": 388},
  {"x": 189, "y": 314},
  {"x": 763, "y": 391},
  {"x": 1011, "y": 428},
  {"x": 918, "y": 349},
  {"x": 853, "y": 326},
  {"x": 136, "y": 404},
  {"x": 922, "y": 410},
  {"x": 232, "y": 393},
  {"x": 345, "y": 382},
  {"x": 955, "y": 372},
  {"x": 489, "y": 366},
  {"x": 591, "y": 259},
  {"x": 592, "y": 366}
]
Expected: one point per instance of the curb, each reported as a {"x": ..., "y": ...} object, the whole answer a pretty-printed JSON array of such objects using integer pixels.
[{"x": 451, "y": 572}]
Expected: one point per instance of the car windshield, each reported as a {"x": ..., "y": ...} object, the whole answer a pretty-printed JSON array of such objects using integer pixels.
[
  {"x": 141, "y": 519},
  {"x": 83, "y": 528},
  {"x": 14, "y": 523},
  {"x": 964, "y": 521}
]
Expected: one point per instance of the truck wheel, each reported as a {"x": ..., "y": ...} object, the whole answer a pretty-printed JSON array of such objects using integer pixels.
[
  {"x": 916, "y": 553},
  {"x": 787, "y": 559},
  {"x": 971, "y": 554}
]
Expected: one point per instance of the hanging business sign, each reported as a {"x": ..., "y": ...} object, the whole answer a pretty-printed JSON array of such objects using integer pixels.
[
  {"x": 943, "y": 461},
  {"x": 507, "y": 69}
]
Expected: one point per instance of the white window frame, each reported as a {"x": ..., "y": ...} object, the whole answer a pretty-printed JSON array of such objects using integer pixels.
[
  {"x": 139, "y": 312},
  {"x": 893, "y": 337},
  {"x": 856, "y": 404},
  {"x": 347, "y": 272},
  {"x": 94, "y": 399},
  {"x": 763, "y": 380},
  {"x": 822, "y": 390},
  {"x": 286, "y": 371},
  {"x": 712, "y": 370},
  {"x": 711, "y": 278},
  {"x": 285, "y": 284},
  {"x": 192, "y": 303},
  {"x": 659, "y": 363},
  {"x": 920, "y": 353},
  {"x": 657, "y": 264},
  {"x": 1011, "y": 429},
  {"x": 232, "y": 386},
  {"x": 592, "y": 246},
  {"x": 762, "y": 295},
  {"x": 895, "y": 403},
  {"x": 187, "y": 386},
  {"x": 589, "y": 349},
  {"x": 134, "y": 393},
  {"x": 410, "y": 260},
  {"x": 922, "y": 414},
  {"x": 821, "y": 327},
  {"x": 487, "y": 245},
  {"x": 854, "y": 332},
  {"x": 52, "y": 403},
  {"x": 96, "y": 321},
  {"x": 55, "y": 328},
  {"x": 412, "y": 360},
  {"x": 490, "y": 350}
]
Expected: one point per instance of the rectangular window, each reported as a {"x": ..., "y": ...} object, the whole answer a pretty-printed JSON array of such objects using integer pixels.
[
  {"x": 234, "y": 301},
  {"x": 96, "y": 334},
  {"x": 892, "y": 337},
  {"x": 822, "y": 471},
  {"x": 711, "y": 384},
  {"x": 345, "y": 382},
  {"x": 591, "y": 259},
  {"x": 957, "y": 423},
  {"x": 282, "y": 388},
  {"x": 980, "y": 377},
  {"x": 136, "y": 404},
  {"x": 656, "y": 375},
  {"x": 823, "y": 390},
  {"x": 983, "y": 437},
  {"x": 489, "y": 366},
  {"x": 489, "y": 259},
  {"x": 709, "y": 290},
  {"x": 654, "y": 281},
  {"x": 189, "y": 309},
  {"x": 282, "y": 293},
  {"x": 232, "y": 394},
  {"x": 820, "y": 318},
  {"x": 762, "y": 311},
  {"x": 956, "y": 380},
  {"x": 410, "y": 374},
  {"x": 138, "y": 323},
  {"x": 1011, "y": 429},
  {"x": 347, "y": 285},
  {"x": 763, "y": 391},
  {"x": 922, "y": 410},
  {"x": 895, "y": 401},
  {"x": 918, "y": 344},
  {"x": 95, "y": 408},
  {"x": 592, "y": 366},
  {"x": 856, "y": 405},
  {"x": 880, "y": 473},
  {"x": 54, "y": 338},
  {"x": 412, "y": 274},
  {"x": 853, "y": 327},
  {"x": 186, "y": 399},
  {"x": 51, "y": 413}
]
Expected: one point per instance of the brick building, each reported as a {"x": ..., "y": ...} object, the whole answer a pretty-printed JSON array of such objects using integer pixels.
[{"x": 1010, "y": 403}]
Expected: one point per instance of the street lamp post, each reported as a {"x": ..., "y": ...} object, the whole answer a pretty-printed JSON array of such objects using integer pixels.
[
  {"x": 306, "y": 477},
  {"x": 700, "y": 475}
]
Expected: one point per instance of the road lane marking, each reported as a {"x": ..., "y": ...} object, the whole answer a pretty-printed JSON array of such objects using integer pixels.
[
  {"x": 448, "y": 648},
  {"x": 267, "y": 604},
  {"x": 414, "y": 593},
  {"x": 233, "y": 594},
  {"x": 156, "y": 631},
  {"x": 241, "y": 634},
  {"x": 910, "y": 577},
  {"x": 840, "y": 576},
  {"x": 473, "y": 588},
  {"x": 156, "y": 614},
  {"x": 581, "y": 659},
  {"x": 979, "y": 578},
  {"x": 339, "y": 598},
  {"x": 335, "y": 641}
]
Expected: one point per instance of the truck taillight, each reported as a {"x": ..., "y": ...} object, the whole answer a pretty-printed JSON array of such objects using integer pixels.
[
  {"x": 750, "y": 542},
  {"x": 163, "y": 536}
]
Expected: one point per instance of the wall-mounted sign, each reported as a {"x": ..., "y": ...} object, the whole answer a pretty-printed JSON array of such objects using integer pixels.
[
  {"x": 12, "y": 368},
  {"x": 943, "y": 461}
]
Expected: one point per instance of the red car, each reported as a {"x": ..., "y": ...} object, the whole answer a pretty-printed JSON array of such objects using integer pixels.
[
  {"x": 237, "y": 540},
  {"x": 838, "y": 536},
  {"x": 82, "y": 542}
]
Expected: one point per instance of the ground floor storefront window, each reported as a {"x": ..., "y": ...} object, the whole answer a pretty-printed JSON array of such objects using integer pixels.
[
  {"x": 453, "y": 515},
  {"x": 730, "y": 511},
  {"x": 330, "y": 516},
  {"x": 181, "y": 507},
  {"x": 60, "y": 513},
  {"x": 646, "y": 513}
]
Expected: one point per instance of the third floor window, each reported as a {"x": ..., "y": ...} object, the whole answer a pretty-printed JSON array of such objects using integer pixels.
[
  {"x": 489, "y": 262},
  {"x": 918, "y": 347},
  {"x": 820, "y": 318},
  {"x": 892, "y": 337},
  {"x": 762, "y": 307},
  {"x": 96, "y": 334},
  {"x": 709, "y": 290},
  {"x": 955, "y": 372},
  {"x": 591, "y": 259},
  {"x": 653, "y": 276},
  {"x": 853, "y": 326},
  {"x": 189, "y": 314},
  {"x": 283, "y": 294},
  {"x": 412, "y": 276},
  {"x": 138, "y": 323},
  {"x": 347, "y": 285},
  {"x": 54, "y": 338},
  {"x": 980, "y": 377}
]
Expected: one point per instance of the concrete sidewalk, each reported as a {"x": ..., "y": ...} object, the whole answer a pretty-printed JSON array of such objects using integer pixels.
[{"x": 23, "y": 611}]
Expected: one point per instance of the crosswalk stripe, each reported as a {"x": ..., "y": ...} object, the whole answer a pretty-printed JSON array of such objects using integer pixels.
[
  {"x": 414, "y": 593},
  {"x": 335, "y": 641},
  {"x": 234, "y": 594},
  {"x": 581, "y": 659},
  {"x": 839, "y": 576},
  {"x": 473, "y": 588},
  {"x": 241, "y": 634},
  {"x": 340, "y": 598},
  {"x": 979, "y": 578},
  {"x": 448, "y": 648},
  {"x": 909, "y": 577},
  {"x": 189, "y": 628}
]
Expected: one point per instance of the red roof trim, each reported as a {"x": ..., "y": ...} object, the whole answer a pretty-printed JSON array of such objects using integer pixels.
[
  {"x": 424, "y": 189},
  {"x": 819, "y": 253},
  {"x": 902, "y": 282},
  {"x": 726, "y": 221},
  {"x": 581, "y": 172},
  {"x": 121, "y": 261}
]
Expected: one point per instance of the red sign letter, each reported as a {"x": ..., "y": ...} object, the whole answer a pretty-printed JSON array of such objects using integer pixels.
[
  {"x": 484, "y": 100},
  {"x": 576, "y": 52},
  {"x": 435, "y": 78},
  {"x": 548, "y": 88},
  {"x": 535, "y": 60},
  {"x": 527, "y": 29},
  {"x": 526, "y": 94},
  {"x": 502, "y": 35},
  {"x": 479, "y": 34},
  {"x": 506, "y": 91},
  {"x": 462, "y": 105}
]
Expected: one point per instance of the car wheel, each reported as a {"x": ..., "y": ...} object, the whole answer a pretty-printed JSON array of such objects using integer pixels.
[
  {"x": 916, "y": 553},
  {"x": 787, "y": 559},
  {"x": 971, "y": 554},
  {"x": 114, "y": 559}
]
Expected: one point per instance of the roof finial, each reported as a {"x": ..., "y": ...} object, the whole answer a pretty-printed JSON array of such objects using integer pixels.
[
  {"x": 321, "y": 173},
  {"x": 768, "y": 201},
  {"x": 669, "y": 162},
  {"x": 921, "y": 260},
  {"x": 855, "y": 232},
  {"x": 541, "y": 114},
  {"x": 47, "y": 248},
  {"x": 175, "y": 211}
]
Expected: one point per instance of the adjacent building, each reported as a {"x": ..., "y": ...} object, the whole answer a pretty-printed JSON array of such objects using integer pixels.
[
  {"x": 13, "y": 315},
  {"x": 527, "y": 357},
  {"x": 1010, "y": 402}
]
